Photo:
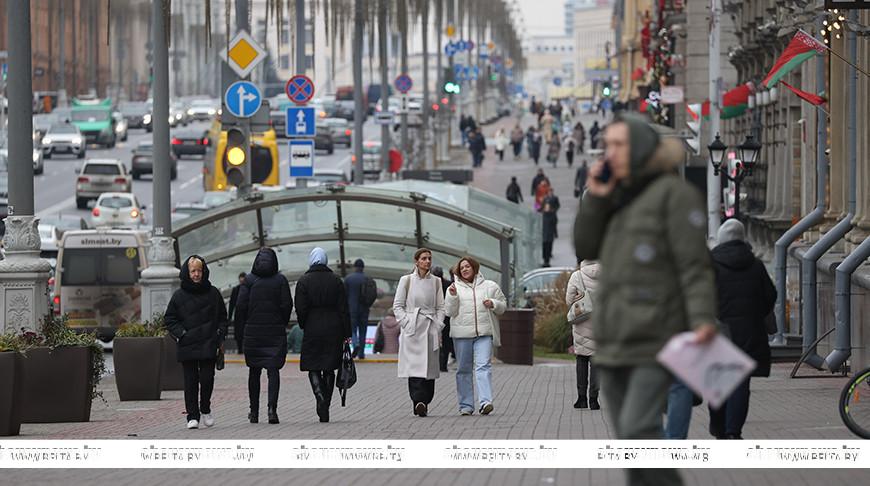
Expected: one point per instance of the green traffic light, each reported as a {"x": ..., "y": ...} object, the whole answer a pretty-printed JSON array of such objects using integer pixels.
[
  {"x": 451, "y": 87},
  {"x": 606, "y": 91}
]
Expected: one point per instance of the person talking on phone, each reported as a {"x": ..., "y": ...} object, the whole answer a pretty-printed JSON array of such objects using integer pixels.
[{"x": 647, "y": 227}]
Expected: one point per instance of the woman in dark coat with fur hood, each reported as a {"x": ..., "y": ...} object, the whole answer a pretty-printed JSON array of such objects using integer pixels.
[
  {"x": 197, "y": 318},
  {"x": 262, "y": 312},
  {"x": 322, "y": 311}
]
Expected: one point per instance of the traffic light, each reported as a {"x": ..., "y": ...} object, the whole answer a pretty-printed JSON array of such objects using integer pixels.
[
  {"x": 605, "y": 89},
  {"x": 450, "y": 84},
  {"x": 693, "y": 123},
  {"x": 237, "y": 156}
]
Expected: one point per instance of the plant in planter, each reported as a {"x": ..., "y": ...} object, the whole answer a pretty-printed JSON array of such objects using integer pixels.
[
  {"x": 138, "y": 354},
  {"x": 61, "y": 373},
  {"x": 12, "y": 346},
  {"x": 172, "y": 372}
]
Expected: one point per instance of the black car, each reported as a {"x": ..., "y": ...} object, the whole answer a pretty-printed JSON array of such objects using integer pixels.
[
  {"x": 138, "y": 115},
  {"x": 323, "y": 139},
  {"x": 192, "y": 141},
  {"x": 143, "y": 161}
]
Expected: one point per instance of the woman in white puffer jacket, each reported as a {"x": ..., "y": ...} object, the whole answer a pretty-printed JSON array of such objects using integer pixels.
[
  {"x": 584, "y": 280},
  {"x": 473, "y": 304}
]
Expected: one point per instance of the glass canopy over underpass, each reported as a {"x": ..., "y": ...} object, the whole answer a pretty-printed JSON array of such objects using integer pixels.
[{"x": 382, "y": 224}]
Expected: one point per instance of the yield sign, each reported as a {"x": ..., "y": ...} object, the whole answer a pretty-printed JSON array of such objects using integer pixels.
[
  {"x": 243, "y": 54},
  {"x": 300, "y": 89}
]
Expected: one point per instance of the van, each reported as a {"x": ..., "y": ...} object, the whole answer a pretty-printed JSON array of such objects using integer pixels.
[
  {"x": 96, "y": 282},
  {"x": 94, "y": 119}
]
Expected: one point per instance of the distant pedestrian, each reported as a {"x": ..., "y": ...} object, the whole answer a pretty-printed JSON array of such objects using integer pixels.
[
  {"x": 514, "y": 194},
  {"x": 362, "y": 292},
  {"x": 264, "y": 310},
  {"x": 501, "y": 141},
  {"x": 517, "y": 141},
  {"x": 477, "y": 146},
  {"x": 580, "y": 178},
  {"x": 197, "y": 318},
  {"x": 387, "y": 335},
  {"x": 419, "y": 308},
  {"x": 584, "y": 281},
  {"x": 321, "y": 308},
  {"x": 464, "y": 127},
  {"x": 579, "y": 135},
  {"x": 238, "y": 332},
  {"x": 647, "y": 226},
  {"x": 474, "y": 304},
  {"x": 553, "y": 150},
  {"x": 546, "y": 126},
  {"x": 446, "y": 348},
  {"x": 542, "y": 192},
  {"x": 746, "y": 297},
  {"x": 594, "y": 131},
  {"x": 535, "y": 141},
  {"x": 570, "y": 148},
  {"x": 537, "y": 180},
  {"x": 549, "y": 208}
]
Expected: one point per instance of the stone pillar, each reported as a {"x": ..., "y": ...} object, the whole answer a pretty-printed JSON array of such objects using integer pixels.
[
  {"x": 837, "y": 138},
  {"x": 160, "y": 279},
  {"x": 862, "y": 215},
  {"x": 23, "y": 277}
]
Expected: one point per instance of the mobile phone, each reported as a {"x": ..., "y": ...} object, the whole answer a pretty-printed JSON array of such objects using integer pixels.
[{"x": 606, "y": 173}]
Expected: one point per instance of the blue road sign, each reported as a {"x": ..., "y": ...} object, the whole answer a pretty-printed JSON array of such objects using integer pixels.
[
  {"x": 300, "y": 121},
  {"x": 243, "y": 99},
  {"x": 557, "y": 81},
  {"x": 301, "y": 158},
  {"x": 450, "y": 49},
  {"x": 403, "y": 83}
]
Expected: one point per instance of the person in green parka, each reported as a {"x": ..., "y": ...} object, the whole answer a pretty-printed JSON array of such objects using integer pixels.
[{"x": 647, "y": 227}]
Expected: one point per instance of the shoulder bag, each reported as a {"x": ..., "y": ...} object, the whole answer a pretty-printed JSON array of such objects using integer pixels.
[{"x": 581, "y": 308}]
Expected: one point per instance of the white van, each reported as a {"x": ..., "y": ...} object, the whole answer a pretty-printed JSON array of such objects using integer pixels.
[{"x": 97, "y": 279}]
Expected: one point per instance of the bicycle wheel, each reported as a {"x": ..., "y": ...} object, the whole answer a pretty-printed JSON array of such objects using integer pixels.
[{"x": 855, "y": 404}]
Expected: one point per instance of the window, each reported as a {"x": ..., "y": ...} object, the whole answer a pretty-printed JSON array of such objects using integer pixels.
[
  {"x": 101, "y": 169},
  {"x": 99, "y": 266},
  {"x": 309, "y": 63},
  {"x": 285, "y": 61}
]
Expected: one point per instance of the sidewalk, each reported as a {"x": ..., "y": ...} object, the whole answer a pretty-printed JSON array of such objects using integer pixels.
[{"x": 531, "y": 402}]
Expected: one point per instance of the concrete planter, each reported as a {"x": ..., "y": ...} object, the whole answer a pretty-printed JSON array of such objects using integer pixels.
[
  {"x": 11, "y": 380},
  {"x": 138, "y": 367},
  {"x": 56, "y": 385},
  {"x": 172, "y": 371},
  {"x": 517, "y": 336}
]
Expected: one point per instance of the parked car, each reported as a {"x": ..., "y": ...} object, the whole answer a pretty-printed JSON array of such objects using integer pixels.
[
  {"x": 121, "y": 126},
  {"x": 138, "y": 114},
  {"x": 98, "y": 176},
  {"x": 539, "y": 283},
  {"x": 341, "y": 131},
  {"x": 118, "y": 210},
  {"x": 143, "y": 161},
  {"x": 202, "y": 110},
  {"x": 323, "y": 139},
  {"x": 63, "y": 139},
  {"x": 189, "y": 141}
]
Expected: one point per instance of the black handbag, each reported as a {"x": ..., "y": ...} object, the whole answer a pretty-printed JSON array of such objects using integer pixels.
[{"x": 346, "y": 373}]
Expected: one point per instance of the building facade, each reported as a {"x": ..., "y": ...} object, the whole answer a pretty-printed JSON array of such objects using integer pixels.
[{"x": 593, "y": 40}]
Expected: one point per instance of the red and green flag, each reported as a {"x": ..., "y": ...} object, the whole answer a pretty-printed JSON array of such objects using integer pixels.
[
  {"x": 809, "y": 97},
  {"x": 734, "y": 102},
  {"x": 802, "y": 47}
]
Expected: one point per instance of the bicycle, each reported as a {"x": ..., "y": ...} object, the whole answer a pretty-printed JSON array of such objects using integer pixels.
[{"x": 855, "y": 404}]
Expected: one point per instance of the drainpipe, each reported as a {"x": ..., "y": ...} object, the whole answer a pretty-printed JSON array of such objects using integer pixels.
[
  {"x": 812, "y": 219},
  {"x": 808, "y": 262},
  {"x": 843, "y": 279}
]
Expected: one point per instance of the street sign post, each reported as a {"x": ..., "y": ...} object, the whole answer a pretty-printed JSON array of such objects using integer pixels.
[
  {"x": 243, "y": 54},
  {"x": 300, "y": 121},
  {"x": 403, "y": 104},
  {"x": 403, "y": 83},
  {"x": 300, "y": 89},
  {"x": 301, "y": 158},
  {"x": 243, "y": 99}
]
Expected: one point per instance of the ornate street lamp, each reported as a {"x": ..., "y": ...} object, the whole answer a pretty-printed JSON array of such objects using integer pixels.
[
  {"x": 749, "y": 150},
  {"x": 717, "y": 154}
]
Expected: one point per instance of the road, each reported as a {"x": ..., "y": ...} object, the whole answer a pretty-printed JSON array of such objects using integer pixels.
[{"x": 55, "y": 188}]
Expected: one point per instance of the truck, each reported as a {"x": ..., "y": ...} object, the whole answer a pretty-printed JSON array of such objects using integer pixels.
[{"x": 95, "y": 121}]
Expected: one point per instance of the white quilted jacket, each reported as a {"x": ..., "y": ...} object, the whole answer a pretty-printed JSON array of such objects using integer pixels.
[{"x": 468, "y": 316}]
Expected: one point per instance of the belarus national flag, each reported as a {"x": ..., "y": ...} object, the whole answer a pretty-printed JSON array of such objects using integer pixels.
[
  {"x": 734, "y": 102},
  {"x": 802, "y": 47},
  {"x": 814, "y": 99}
]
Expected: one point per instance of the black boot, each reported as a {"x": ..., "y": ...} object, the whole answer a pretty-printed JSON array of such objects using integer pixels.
[
  {"x": 273, "y": 415},
  {"x": 581, "y": 402},
  {"x": 593, "y": 404},
  {"x": 328, "y": 387},
  {"x": 317, "y": 387},
  {"x": 254, "y": 416}
]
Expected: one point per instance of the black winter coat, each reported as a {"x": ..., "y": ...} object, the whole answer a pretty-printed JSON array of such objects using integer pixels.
[
  {"x": 321, "y": 307},
  {"x": 263, "y": 311},
  {"x": 746, "y": 297},
  {"x": 196, "y": 317}
]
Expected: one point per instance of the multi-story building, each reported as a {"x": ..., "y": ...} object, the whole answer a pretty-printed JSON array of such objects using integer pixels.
[
  {"x": 549, "y": 63},
  {"x": 593, "y": 41}
]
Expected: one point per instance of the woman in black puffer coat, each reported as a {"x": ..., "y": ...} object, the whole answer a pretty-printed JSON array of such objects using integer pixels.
[
  {"x": 197, "y": 318},
  {"x": 746, "y": 297},
  {"x": 322, "y": 310},
  {"x": 262, "y": 312}
]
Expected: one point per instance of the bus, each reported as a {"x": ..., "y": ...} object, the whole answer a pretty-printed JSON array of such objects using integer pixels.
[
  {"x": 265, "y": 161},
  {"x": 96, "y": 282}
]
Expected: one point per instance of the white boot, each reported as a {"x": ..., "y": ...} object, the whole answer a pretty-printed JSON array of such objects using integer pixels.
[
  {"x": 207, "y": 420},
  {"x": 192, "y": 424}
]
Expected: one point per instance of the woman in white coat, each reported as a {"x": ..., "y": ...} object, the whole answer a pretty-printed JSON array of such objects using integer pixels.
[
  {"x": 582, "y": 281},
  {"x": 419, "y": 308},
  {"x": 473, "y": 304}
]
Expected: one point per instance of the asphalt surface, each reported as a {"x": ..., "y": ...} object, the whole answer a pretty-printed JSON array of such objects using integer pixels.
[{"x": 55, "y": 188}]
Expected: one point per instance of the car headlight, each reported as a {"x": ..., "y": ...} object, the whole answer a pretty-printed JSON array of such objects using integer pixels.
[
  {"x": 171, "y": 118},
  {"x": 119, "y": 128},
  {"x": 211, "y": 111},
  {"x": 190, "y": 112},
  {"x": 46, "y": 140},
  {"x": 35, "y": 155},
  {"x": 178, "y": 116},
  {"x": 77, "y": 141},
  {"x": 146, "y": 119}
]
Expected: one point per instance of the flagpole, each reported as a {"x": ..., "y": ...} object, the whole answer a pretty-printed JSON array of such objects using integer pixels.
[{"x": 865, "y": 73}]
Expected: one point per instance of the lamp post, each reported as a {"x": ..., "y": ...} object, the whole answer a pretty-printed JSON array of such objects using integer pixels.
[{"x": 748, "y": 152}]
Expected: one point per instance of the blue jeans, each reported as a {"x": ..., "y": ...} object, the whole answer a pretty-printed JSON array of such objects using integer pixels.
[
  {"x": 359, "y": 322},
  {"x": 679, "y": 411},
  {"x": 476, "y": 352}
]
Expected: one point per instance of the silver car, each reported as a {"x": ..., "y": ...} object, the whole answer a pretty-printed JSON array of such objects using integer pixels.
[
  {"x": 38, "y": 162},
  {"x": 99, "y": 176},
  {"x": 64, "y": 139}
]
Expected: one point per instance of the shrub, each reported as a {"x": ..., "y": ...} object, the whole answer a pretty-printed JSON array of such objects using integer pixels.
[
  {"x": 551, "y": 323},
  {"x": 13, "y": 342},
  {"x": 153, "y": 328}
]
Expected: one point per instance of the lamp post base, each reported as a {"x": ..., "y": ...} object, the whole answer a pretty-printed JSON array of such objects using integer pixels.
[{"x": 23, "y": 277}]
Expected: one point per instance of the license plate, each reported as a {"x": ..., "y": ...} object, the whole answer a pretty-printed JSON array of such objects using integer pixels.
[{"x": 190, "y": 142}]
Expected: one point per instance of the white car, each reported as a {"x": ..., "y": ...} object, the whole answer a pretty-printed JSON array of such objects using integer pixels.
[
  {"x": 202, "y": 109},
  {"x": 118, "y": 210},
  {"x": 121, "y": 126},
  {"x": 63, "y": 138}
]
